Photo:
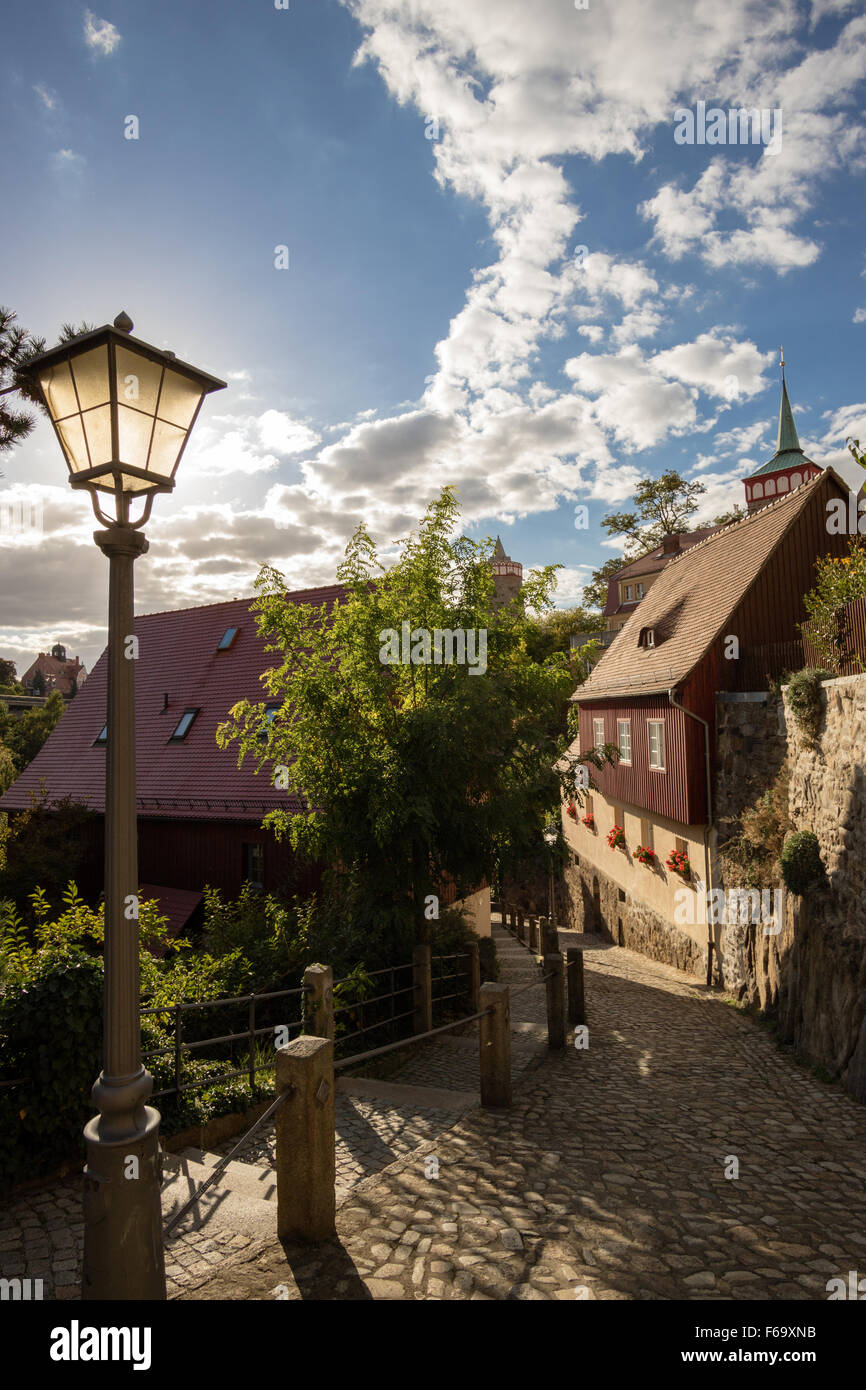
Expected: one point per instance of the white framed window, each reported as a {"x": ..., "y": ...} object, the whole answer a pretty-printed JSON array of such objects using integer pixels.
[
  {"x": 782, "y": 483},
  {"x": 628, "y": 593},
  {"x": 796, "y": 480},
  {"x": 598, "y": 733},
  {"x": 623, "y": 737},
  {"x": 640, "y": 590},
  {"x": 770, "y": 487},
  {"x": 656, "y": 735},
  {"x": 758, "y": 490}
]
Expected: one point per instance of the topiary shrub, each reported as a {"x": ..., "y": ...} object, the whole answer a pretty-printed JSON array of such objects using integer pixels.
[
  {"x": 801, "y": 862},
  {"x": 804, "y": 697}
]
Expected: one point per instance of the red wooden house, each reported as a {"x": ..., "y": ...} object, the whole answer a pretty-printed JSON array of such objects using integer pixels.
[{"x": 722, "y": 616}]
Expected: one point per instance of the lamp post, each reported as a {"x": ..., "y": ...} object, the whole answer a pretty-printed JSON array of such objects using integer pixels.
[
  {"x": 551, "y": 833},
  {"x": 122, "y": 411}
]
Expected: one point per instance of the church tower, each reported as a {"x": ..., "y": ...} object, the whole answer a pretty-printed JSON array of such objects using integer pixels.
[{"x": 788, "y": 468}]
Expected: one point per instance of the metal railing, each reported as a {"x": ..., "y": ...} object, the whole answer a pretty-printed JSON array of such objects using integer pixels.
[
  {"x": 372, "y": 1014},
  {"x": 181, "y": 1048}
]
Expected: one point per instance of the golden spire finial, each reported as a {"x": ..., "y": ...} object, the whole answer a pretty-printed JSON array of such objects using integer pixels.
[{"x": 782, "y": 359}]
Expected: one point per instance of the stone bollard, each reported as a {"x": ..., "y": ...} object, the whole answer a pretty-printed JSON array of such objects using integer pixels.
[
  {"x": 422, "y": 980},
  {"x": 495, "y": 1042},
  {"x": 473, "y": 972},
  {"x": 555, "y": 1001},
  {"x": 319, "y": 1001},
  {"x": 521, "y": 929},
  {"x": 305, "y": 1158},
  {"x": 576, "y": 1002}
]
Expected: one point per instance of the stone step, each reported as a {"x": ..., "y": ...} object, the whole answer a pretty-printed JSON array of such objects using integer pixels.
[
  {"x": 242, "y": 1199},
  {"x": 394, "y": 1093}
]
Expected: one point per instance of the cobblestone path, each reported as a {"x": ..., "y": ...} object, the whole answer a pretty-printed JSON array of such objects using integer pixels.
[
  {"x": 607, "y": 1177},
  {"x": 41, "y": 1232}
]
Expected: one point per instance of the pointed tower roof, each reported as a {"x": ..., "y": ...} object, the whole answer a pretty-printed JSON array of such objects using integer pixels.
[
  {"x": 788, "y": 451},
  {"x": 499, "y": 550}
]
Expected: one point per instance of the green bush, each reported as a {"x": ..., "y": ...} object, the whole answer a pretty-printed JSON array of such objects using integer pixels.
[
  {"x": 51, "y": 1037},
  {"x": 804, "y": 697},
  {"x": 801, "y": 862}
]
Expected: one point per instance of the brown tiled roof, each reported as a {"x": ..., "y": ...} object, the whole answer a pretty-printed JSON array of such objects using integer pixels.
[
  {"x": 693, "y": 599},
  {"x": 650, "y": 563}
]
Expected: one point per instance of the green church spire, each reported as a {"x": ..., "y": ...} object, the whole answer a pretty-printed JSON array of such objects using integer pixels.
[{"x": 787, "y": 440}]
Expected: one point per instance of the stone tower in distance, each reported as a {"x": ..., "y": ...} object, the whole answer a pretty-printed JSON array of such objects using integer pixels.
[{"x": 507, "y": 575}]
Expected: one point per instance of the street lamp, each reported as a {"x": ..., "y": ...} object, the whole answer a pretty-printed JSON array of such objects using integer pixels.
[
  {"x": 122, "y": 411},
  {"x": 551, "y": 835}
]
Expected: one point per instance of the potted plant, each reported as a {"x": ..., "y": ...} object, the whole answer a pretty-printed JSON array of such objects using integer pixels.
[
  {"x": 616, "y": 837},
  {"x": 644, "y": 855},
  {"x": 571, "y": 810},
  {"x": 589, "y": 820},
  {"x": 678, "y": 863}
]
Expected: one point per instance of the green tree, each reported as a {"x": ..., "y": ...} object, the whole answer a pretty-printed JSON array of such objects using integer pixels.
[
  {"x": 839, "y": 579},
  {"x": 595, "y": 593},
  {"x": 552, "y": 632},
  {"x": 664, "y": 508},
  {"x": 17, "y": 348},
  {"x": 8, "y": 676},
  {"x": 409, "y": 773},
  {"x": 736, "y": 513},
  {"x": 24, "y": 734}
]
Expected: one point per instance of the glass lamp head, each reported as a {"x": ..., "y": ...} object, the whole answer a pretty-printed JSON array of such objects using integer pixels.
[{"x": 122, "y": 410}]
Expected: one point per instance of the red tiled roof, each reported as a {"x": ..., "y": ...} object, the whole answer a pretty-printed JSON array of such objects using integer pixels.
[{"x": 192, "y": 780}]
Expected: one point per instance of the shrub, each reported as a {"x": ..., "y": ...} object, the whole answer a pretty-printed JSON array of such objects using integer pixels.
[
  {"x": 802, "y": 868},
  {"x": 804, "y": 697}
]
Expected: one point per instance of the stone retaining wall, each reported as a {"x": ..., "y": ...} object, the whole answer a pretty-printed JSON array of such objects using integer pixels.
[{"x": 812, "y": 975}]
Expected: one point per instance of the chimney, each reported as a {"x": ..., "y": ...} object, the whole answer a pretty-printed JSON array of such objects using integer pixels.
[{"x": 670, "y": 545}]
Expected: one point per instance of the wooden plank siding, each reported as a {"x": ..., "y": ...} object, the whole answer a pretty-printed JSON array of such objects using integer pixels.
[
  {"x": 190, "y": 854},
  {"x": 674, "y": 792},
  {"x": 765, "y": 622}
]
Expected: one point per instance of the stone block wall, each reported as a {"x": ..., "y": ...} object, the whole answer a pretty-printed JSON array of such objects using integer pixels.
[{"x": 812, "y": 975}]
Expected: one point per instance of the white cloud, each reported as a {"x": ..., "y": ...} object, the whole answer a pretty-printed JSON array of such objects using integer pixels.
[
  {"x": 47, "y": 97},
  {"x": 859, "y": 316},
  {"x": 99, "y": 34}
]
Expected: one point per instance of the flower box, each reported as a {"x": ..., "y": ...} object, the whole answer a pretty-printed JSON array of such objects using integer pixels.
[
  {"x": 571, "y": 810},
  {"x": 616, "y": 837},
  {"x": 678, "y": 863},
  {"x": 644, "y": 855},
  {"x": 589, "y": 821}
]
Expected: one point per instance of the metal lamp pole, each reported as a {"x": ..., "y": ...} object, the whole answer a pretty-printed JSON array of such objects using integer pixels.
[
  {"x": 123, "y": 1255},
  {"x": 122, "y": 411}
]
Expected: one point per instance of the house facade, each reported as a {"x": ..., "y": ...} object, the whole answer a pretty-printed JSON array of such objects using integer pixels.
[
  {"x": 199, "y": 814},
  {"x": 55, "y": 671},
  {"x": 722, "y": 616}
]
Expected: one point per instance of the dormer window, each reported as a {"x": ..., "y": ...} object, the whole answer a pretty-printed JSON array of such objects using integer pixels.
[
  {"x": 628, "y": 594},
  {"x": 270, "y": 711},
  {"x": 184, "y": 725},
  {"x": 101, "y": 738},
  {"x": 227, "y": 639},
  {"x": 647, "y": 637},
  {"x": 640, "y": 591}
]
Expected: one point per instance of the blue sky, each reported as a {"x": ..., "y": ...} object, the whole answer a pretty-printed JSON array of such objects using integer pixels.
[{"x": 542, "y": 304}]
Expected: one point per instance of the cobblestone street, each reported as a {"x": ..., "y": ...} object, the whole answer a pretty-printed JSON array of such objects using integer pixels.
[{"x": 606, "y": 1179}]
